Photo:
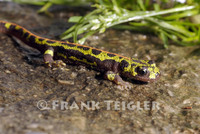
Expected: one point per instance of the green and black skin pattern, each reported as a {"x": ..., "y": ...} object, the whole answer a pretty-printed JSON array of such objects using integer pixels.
[{"x": 59, "y": 52}]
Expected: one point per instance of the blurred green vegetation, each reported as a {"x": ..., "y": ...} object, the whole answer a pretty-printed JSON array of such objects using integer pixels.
[
  {"x": 168, "y": 19},
  {"x": 57, "y": 2}
]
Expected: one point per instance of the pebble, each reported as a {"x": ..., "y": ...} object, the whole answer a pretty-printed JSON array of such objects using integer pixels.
[
  {"x": 1, "y": 109},
  {"x": 170, "y": 93},
  {"x": 34, "y": 132},
  {"x": 74, "y": 74},
  {"x": 66, "y": 82},
  {"x": 7, "y": 71}
]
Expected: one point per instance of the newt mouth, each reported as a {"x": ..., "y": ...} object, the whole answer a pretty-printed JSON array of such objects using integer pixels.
[{"x": 147, "y": 79}]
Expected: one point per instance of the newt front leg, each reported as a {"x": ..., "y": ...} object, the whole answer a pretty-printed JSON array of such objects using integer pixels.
[{"x": 114, "y": 77}]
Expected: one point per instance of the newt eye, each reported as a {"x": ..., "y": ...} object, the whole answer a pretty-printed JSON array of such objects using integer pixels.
[{"x": 141, "y": 71}]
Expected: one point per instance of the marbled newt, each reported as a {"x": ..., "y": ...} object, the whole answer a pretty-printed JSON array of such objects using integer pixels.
[{"x": 59, "y": 52}]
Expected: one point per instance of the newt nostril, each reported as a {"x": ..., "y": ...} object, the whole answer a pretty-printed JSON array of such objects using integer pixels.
[
  {"x": 151, "y": 62},
  {"x": 158, "y": 75}
]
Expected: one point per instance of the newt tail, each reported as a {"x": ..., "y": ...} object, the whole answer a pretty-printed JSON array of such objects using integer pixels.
[{"x": 59, "y": 52}]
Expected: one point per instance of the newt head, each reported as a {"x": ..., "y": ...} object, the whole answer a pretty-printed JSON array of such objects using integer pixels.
[{"x": 142, "y": 70}]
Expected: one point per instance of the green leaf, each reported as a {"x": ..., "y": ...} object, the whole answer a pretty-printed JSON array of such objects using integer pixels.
[
  {"x": 164, "y": 39},
  {"x": 75, "y": 19}
]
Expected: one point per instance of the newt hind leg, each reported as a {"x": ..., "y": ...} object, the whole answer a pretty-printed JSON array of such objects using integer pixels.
[{"x": 49, "y": 61}]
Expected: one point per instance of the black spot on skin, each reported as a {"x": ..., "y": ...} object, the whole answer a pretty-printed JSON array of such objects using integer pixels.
[
  {"x": 92, "y": 59},
  {"x": 137, "y": 69},
  {"x": 84, "y": 48},
  {"x": 12, "y": 27},
  {"x": 108, "y": 64},
  {"x": 138, "y": 61},
  {"x": 49, "y": 41},
  {"x": 32, "y": 38},
  {"x": 133, "y": 64},
  {"x": 111, "y": 55},
  {"x": 71, "y": 52},
  {"x": 70, "y": 45},
  {"x": 26, "y": 35},
  {"x": 96, "y": 52},
  {"x": 40, "y": 39},
  {"x": 19, "y": 31},
  {"x": 123, "y": 64}
]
